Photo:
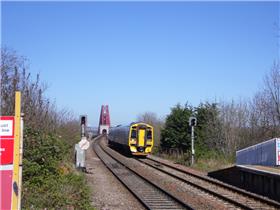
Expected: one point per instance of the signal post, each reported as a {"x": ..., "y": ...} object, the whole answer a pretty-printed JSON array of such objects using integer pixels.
[
  {"x": 83, "y": 144},
  {"x": 192, "y": 123}
]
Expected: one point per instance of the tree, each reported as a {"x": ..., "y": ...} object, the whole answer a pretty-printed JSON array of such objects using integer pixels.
[
  {"x": 39, "y": 112},
  {"x": 272, "y": 91},
  {"x": 265, "y": 107},
  {"x": 249, "y": 122},
  {"x": 234, "y": 118},
  {"x": 175, "y": 133},
  {"x": 11, "y": 63},
  {"x": 209, "y": 126}
]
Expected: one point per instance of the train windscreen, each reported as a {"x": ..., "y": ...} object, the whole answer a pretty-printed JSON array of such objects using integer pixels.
[
  {"x": 133, "y": 134},
  {"x": 149, "y": 134}
]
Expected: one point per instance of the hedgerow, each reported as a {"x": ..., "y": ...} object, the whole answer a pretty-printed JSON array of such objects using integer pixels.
[{"x": 49, "y": 181}]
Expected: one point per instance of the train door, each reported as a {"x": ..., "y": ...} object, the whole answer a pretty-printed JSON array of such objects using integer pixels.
[{"x": 141, "y": 137}]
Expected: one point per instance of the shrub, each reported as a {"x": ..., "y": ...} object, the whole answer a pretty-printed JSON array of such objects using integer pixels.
[{"x": 49, "y": 181}]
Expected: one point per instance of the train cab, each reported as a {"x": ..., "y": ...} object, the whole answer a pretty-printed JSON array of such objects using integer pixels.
[{"x": 141, "y": 139}]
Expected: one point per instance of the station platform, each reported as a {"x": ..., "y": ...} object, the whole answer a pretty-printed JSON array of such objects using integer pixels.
[
  {"x": 257, "y": 179},
  {"x": 265, "y": 169}
]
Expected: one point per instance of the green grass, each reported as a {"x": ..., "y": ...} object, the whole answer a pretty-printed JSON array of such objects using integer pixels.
[
  {"x": 211, "y": 164},
  {"x": 210, "y": 160},
  {"x": 204, "y": 160}
]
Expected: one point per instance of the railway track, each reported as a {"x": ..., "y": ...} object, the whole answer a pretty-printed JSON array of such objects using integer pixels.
[
  {"x": 209, "y": 182},
  {"x": 150, "y": 195},
  {"x": 233, "y": 195},
  {"x": 158, "y": 185}
]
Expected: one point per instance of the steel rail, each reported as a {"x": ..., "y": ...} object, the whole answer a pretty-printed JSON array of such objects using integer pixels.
[
  {"x": 203, "y": 188},
  {"x": 157, "y": 197}
]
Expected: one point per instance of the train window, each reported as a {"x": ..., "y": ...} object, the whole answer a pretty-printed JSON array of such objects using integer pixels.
[
  {"x": 149, "y": 134},
  {"x": 133, "y": 134}
]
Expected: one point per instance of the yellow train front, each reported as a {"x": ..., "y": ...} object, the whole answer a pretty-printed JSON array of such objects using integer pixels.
[{"x": 137, "y": 138}]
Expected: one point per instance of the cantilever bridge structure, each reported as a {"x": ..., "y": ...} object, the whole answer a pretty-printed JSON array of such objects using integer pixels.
[{"x": 104, "y": 120}]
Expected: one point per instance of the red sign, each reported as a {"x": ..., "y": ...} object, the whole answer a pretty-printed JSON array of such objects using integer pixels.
[
  {"x": 6, "y": 177},
  {"x": 6, "y": 151},
  {"x": 7, "y": 127}
]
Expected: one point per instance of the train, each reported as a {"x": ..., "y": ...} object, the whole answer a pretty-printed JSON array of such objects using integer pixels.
[{"x": 136, "y": 138}]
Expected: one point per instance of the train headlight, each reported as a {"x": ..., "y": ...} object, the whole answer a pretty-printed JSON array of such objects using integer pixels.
[
  {"x": 133, "y": 141},
  {"x": 149, "y": 142},
  {"x": 133, "y": 149}
]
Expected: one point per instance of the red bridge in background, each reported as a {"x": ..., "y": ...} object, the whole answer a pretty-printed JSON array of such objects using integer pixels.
[{"x": 104, "y": 120}]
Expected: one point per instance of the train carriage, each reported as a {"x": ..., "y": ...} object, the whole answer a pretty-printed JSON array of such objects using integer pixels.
[{"x": 137, "y": 138}]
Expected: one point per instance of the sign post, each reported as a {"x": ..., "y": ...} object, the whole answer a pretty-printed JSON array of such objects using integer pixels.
[
  {"x": 15, "y": 195},
  {"x": 83, "y": 145}
]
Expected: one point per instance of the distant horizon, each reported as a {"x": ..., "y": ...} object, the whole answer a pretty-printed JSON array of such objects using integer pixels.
[{"x": 143, "y": 56}]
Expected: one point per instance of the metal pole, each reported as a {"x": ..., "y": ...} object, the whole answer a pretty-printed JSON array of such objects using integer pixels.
[
  {"x": 192, "y": 136},
  {"x": 83, "y": 130}
]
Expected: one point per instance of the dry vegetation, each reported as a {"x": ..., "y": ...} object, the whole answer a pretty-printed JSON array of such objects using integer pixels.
[{"x": 49, "y": 179}]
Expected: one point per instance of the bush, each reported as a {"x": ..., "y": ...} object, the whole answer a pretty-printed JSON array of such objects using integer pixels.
[
  {"x": 49, "y": 181},
  {"x": 175, "y": 133}
]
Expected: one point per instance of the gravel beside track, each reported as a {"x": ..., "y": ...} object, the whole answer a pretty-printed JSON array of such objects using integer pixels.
[
  {"x": 107, "y": 192},
  {"x": 147, "y": 193}
]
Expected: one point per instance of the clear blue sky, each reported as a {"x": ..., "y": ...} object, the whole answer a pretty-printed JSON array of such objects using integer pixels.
[{"x": 144, "y": 56}]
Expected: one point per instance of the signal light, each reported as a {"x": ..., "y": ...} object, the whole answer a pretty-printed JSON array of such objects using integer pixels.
[
  {"x": 83, "y": 120},
  {"x": 192, "y": 121}
]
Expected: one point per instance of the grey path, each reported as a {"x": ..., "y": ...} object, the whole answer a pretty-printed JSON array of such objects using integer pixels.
[{"x": 107, "y": 191}]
